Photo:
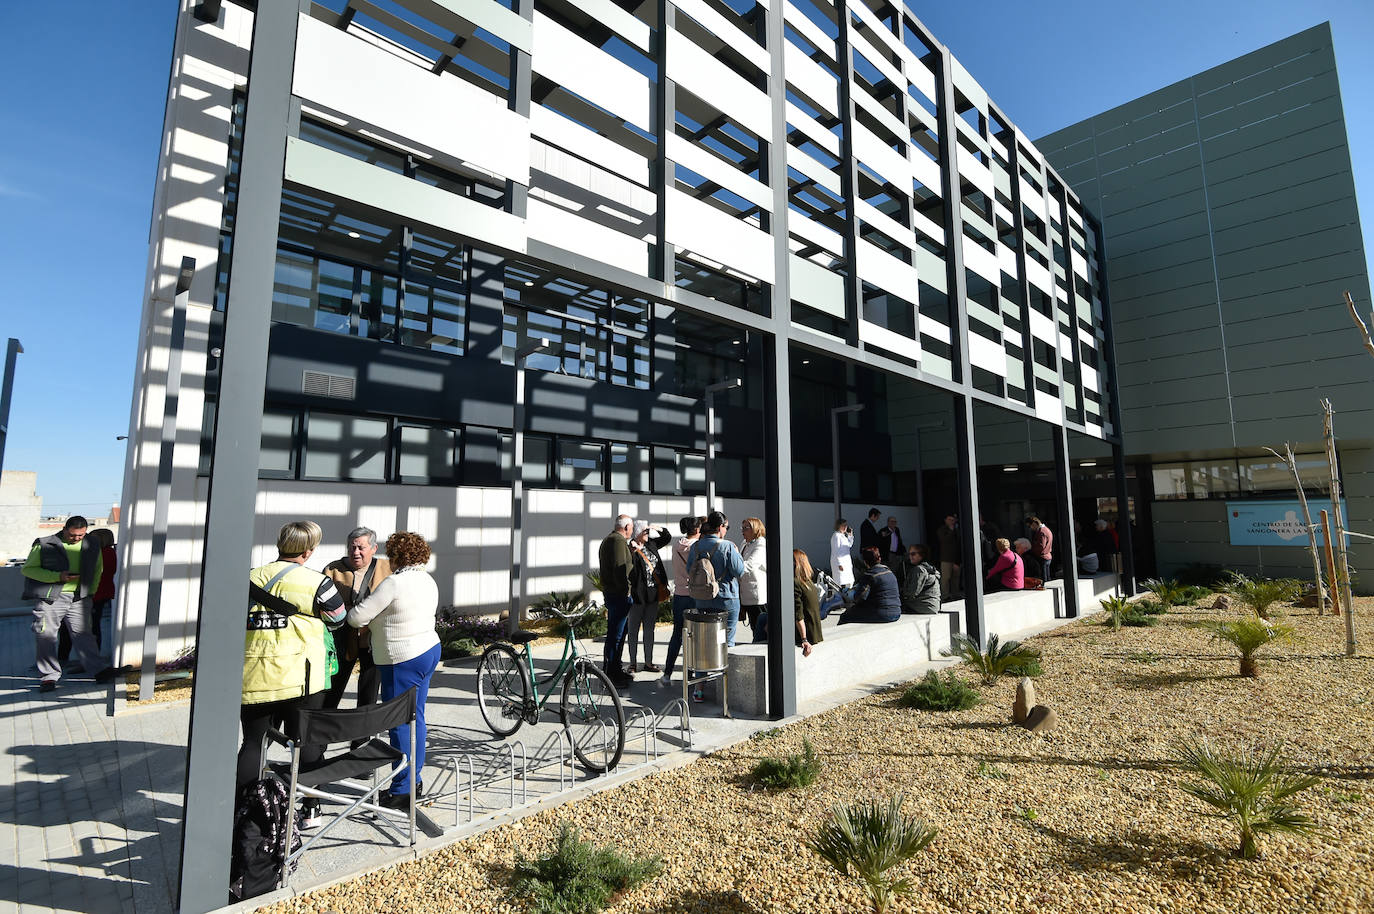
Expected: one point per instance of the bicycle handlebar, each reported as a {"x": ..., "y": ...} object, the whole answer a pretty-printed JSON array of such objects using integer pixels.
[{"x": 573, "y": 617}]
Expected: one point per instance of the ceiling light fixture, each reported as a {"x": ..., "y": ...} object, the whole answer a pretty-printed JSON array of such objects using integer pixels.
[{"x": 354, "y": 235}]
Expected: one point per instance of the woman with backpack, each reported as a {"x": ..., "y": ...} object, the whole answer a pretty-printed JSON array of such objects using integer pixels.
[
  {"x": 715, "y": 552},
  {"x": 682, "y": 599}
]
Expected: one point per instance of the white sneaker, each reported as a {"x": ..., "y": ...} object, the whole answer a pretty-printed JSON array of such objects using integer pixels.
[{"x": 311, "y": 818}]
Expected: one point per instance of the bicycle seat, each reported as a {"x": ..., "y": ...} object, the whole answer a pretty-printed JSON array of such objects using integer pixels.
[{"x": 521, "y": 636}]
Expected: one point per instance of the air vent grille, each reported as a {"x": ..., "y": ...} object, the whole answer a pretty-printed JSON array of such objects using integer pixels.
[{"x": 322, "y": 384}]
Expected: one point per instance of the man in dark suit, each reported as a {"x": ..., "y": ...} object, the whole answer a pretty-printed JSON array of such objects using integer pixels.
[
  {"x": 868, "y": 531},
  {"x": 891, "y": 544}
]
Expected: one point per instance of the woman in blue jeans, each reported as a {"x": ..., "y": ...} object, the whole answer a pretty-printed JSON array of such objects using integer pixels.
[
  {"x": 404, "y": 646},
  {"x": 691, "y": 531}
]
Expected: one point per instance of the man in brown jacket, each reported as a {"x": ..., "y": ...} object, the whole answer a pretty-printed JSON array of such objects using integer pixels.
[{"x": 356, "y": 575}]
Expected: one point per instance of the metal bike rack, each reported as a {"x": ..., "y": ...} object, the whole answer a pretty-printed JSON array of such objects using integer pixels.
[
  {"x": 452, "y": 763},
  {"x": 684, "y": 724},
  {"x": 607, "y": 734},
  {"x": 646, "y": 719},
  {"x": 524, "y": 771}
]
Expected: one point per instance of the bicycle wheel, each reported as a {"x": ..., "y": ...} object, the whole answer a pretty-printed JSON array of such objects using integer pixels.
[
  {"x": 503, "y": 689},
  {"x": 593, "y": 716}
]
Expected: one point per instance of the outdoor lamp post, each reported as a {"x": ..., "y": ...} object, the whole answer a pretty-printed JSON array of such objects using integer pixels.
[
  {"x": 7, "y": 392},
  {"x": 517, "y": 477},
  {"x": 835, "y": 449},
  {"x": 711, "y": 389}
]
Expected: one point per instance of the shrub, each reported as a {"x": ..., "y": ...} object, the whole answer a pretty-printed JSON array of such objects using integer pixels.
[
  {"x": 567, "y": 601},
  {"x": 592, "y": 625},
  {"x": 997, "y": 661},
  {"x": 1248, "y": 636},
  {"x": 1149, "y": 607},
  {"x": 991, "y": 772},
  {"x": 665, "y": 611},
  {"x": 577, "y": 876},
  {"x": 1262, "y": 595},
  {"x": 935, "y": 694},
  {"x": 184, "y": 660},
  {"x": 866, "y": 840},
  {"x": 1251, "y": 790},
  {"x": 1139, "y": 618},
  {"x": 460, "y": 647},
  {"x": 1029, "y": 667},
  {"x": 452, "y": 625},
  {"x": 594, "y": 578},
  {"x": 1115, "y": 608},
  {"x": 1167, "y": 592},
  {"x": 788, "y": 773},
  {"x": 1194, "y": 594}
]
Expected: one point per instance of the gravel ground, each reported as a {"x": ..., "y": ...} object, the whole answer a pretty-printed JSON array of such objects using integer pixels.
[{"x": 1086, "y": 818}]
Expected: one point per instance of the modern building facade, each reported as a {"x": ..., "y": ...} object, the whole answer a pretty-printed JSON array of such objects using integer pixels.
[
  {"x": 1228, "y": 207},
  {"x": 819, "y": 202}
]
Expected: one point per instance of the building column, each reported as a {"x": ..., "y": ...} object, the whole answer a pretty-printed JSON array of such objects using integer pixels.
[
  {"x": 213, "y": 740},
  {"x": 971, "y": 568},
  {"x": 777, "y": 397},
  {"x": 1123, "y": 523},
  {"x": 1063, "y": 490}
]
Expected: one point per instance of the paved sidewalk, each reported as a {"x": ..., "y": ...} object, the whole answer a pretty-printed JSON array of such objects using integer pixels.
[{"x": 89, "y": 803}]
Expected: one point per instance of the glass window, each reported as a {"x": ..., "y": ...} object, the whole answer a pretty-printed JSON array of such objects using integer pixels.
[
  {"x": 427, "y": 454},
  {"x": 691, "y": 474},
  {"x": 1259, "y": 475},
  {"x": 278, "y": 456},
  {"x": 1170, "y": 481},
  {"x": 665, "y": 471},
  {"x": 629, "y": 468},
  {"x": 535, "y": 468},
  {"x": 579, "y": 465},
  {"x": 377, "y": 313},
  {"x": 346, "y": 448},
  {"x": 485, "y": 457},
  {"x": 803, "y": 481}
]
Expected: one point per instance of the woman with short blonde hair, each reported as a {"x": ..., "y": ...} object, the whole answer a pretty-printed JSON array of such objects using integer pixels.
[{"x": 753, "y": 583}]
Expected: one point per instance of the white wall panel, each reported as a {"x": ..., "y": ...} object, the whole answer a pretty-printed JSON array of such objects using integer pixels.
[
  {"x": 881, "y": 157},
  {"x": 588, "y": 144},
  {"x": 701, "y": 74},
  {"x": 925, "y": 170},
  {"x": 346, "y": 177},
  {"x": 695, "y": 158},
  {"x": 705, "y": 230},
  {"x": 582, "y": 67},
  {"x": 874, "y": 335},
  {"x": 808, "y": 30},
  {"x": 987, "y": 355},
  {"x": 567, "y": 230},
  {"x": 882, "y": 269},
  {"x": 808, "y": 125},
  {"x": 982, "y": 261},
  {"x": 814, "y": 170},
  {"x": 368, "y": 84},
  {"x": 726, "y": 31},
  {"x": 624, "y": 24},
  {"x": 1039, "y": 276},
  {"x": 1042, "y": 328},
  {"x": 814, "y": 232},
  {"x": 811, "y": 79},
  {"x": 816, "y": 286},
  {"x": 885, "y": 224},
  {"x": 976, "y": 172},
  {"x": 495, "y": 18}
]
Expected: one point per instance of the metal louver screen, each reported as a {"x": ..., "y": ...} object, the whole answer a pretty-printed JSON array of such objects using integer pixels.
[{"x": 322, "y": 384}]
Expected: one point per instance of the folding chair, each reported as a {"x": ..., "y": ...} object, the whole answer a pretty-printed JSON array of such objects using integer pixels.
[{"x": 328, "y": 727}]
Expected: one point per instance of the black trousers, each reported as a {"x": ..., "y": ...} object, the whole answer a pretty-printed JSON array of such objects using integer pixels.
[
  {"x": 258, "y": 718},
  {"x": 369, "y": 681}
]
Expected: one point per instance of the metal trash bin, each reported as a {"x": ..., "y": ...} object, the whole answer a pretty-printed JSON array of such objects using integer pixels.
[{"x": 706, "y": 652}]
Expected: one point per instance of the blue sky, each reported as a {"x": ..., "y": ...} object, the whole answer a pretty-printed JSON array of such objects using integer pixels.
[{"x": 82, "y": 128}]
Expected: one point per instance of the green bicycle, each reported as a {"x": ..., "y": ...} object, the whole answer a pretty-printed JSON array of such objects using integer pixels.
[{"x": 509, "y": 694}]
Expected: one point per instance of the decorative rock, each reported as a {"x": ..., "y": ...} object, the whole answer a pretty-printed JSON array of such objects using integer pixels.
[
  {"x": 1222, "y": 602},
  {"x": 1041, "y": 719},
  {"x": 1025, "y": 700}
]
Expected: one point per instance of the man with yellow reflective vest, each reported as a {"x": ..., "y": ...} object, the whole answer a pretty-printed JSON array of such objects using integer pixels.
[{"x": 286, "y": 654}]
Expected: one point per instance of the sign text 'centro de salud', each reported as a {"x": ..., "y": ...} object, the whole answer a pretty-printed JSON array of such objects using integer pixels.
[{"x": 1274, "y": 523}]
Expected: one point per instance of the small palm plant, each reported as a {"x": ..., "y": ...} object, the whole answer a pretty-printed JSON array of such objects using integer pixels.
[
  {"x": 997, "y": 661},
  {"x": 866, "y": 840},
  {"x": 1116, "y": 608},
  {"x": 1263, "y": 594},
  {"x": 1250, "y": 789},
  {"x": 1248, "y": 636},
  {"x": 1166, "y": 591}
]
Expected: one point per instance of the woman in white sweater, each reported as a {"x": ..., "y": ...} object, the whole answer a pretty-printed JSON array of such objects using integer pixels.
[
  {"x": 841, "y": 557},
  {"x": 753, "y": 584},
  {"x": 404, "y": 644}
]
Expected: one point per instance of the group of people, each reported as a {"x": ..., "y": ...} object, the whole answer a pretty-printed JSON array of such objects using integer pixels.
[
  {"x": 896, "y": 578},
  {"x": 635, "y": 580},
  {"x": 373, "y": 612},
  {"x": 70, "y": 577}
]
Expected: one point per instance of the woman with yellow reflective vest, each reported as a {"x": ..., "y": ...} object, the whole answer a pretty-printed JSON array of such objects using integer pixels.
[{"x": 286, "y": 649}]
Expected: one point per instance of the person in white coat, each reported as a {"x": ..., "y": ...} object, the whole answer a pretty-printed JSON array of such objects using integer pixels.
[
  {"x": 841, "y": 558},
  {"x": 753, "y": 584}
]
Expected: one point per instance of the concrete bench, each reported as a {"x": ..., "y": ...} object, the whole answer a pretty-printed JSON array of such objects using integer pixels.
[
  {"x": 849, "y": 655},
  {"x": 876, "y": 652}
]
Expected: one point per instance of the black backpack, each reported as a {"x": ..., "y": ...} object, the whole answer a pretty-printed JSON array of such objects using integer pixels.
[{"x": 260, "y": 839}]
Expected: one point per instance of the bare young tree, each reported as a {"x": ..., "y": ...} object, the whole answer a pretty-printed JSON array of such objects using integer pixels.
[
  {"x": 1288, "y": 458},
  {"x": 1364, "y": 330},
  {"x": 1338, "y": 535}
]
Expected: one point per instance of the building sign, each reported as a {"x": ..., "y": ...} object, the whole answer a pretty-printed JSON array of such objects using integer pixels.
[{"x": 1273, "y": 523}]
